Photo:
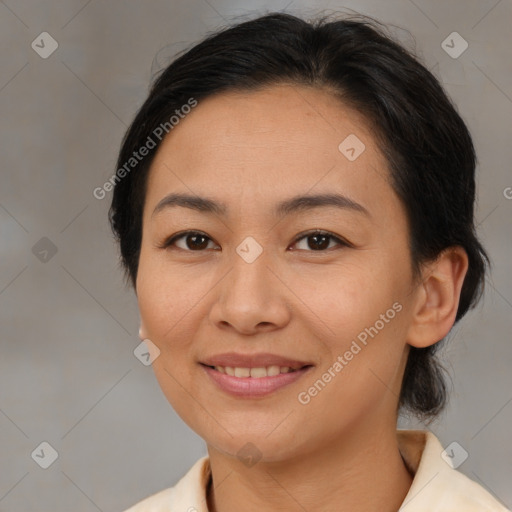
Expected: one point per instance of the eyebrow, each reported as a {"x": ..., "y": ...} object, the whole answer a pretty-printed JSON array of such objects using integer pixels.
[{"x": 292, "y": 205}]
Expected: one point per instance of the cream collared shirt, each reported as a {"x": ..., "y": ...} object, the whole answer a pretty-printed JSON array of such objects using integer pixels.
[{"x": 436, "y": 486}]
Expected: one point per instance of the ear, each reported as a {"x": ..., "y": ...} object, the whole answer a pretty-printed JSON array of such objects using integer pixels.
[{"x": 437, "y": 298}]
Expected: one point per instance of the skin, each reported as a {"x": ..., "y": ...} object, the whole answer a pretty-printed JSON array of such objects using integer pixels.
[{"x": 250, "y": 151}]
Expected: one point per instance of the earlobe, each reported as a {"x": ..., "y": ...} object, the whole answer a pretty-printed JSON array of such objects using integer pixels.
[
  {"x": 142, "y": 331},
  {"x": 438, "y": 298}
]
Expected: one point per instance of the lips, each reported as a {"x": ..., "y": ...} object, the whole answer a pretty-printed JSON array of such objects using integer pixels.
[{"x": 252, "y": 376}]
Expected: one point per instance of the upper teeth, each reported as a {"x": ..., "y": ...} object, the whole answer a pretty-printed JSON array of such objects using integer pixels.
[{"x": 254, "y": 372}]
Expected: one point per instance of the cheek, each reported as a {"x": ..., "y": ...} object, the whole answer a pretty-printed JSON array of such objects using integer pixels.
[
  {"x": 165, "y": 310},
  {"x": 363, "y": 327},
  {"x": 350, "y": 298},
  {"x": 167, "y": 298}
]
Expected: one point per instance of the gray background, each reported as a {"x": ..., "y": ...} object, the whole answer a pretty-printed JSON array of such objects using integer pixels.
[{"x": 68, "y": 324}]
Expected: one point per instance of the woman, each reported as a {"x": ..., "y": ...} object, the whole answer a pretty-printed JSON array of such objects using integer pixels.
[{"x": 294, "y": 207}]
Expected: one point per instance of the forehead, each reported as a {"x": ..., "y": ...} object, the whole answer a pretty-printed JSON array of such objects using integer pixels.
[
  {"x": 265, "y": 143},
  {"x": 277, "y": 116}
]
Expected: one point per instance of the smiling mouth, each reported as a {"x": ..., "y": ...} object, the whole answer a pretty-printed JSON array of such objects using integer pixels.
[{"x": 256, "y": 372}]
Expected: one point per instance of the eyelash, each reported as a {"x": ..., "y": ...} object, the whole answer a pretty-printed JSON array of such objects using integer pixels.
[{"x": 171, "y": 240}]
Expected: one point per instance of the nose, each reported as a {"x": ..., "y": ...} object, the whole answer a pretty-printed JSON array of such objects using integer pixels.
[{"x": 251, "y": 298}]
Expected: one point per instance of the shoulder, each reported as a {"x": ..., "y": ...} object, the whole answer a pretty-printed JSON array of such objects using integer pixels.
[
  {"x": 459, "y": 492},
  {"x": 188, "y": 495},
  {"x": 437, "y": 485}
]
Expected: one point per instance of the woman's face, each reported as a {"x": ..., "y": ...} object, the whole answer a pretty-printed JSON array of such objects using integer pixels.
[{"x": 253, "y": 280}]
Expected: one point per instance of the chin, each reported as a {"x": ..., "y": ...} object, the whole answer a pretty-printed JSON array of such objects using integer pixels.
[{"x": 259, "y": 443}]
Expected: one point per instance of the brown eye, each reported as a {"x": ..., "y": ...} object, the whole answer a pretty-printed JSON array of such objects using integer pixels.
[
  {"x": 189, "y": 240},
  {"x": 320, "y": 240},
  {"x": 197, "y": 241}
]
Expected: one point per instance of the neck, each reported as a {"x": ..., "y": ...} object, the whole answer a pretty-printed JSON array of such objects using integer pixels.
[{"x": 362, "y": 471}]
